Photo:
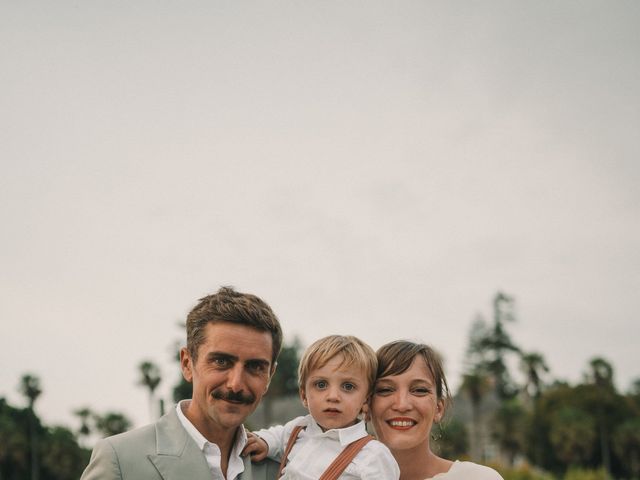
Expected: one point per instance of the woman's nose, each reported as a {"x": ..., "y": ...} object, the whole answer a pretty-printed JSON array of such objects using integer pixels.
[{"x": 401, "y": 402}]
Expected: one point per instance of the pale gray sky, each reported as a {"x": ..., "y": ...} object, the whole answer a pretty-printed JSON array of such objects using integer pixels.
[{"x": 375, "y": 168}]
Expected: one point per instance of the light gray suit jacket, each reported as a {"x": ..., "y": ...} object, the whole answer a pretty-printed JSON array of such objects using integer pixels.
[{"x": 160, "y": 451}]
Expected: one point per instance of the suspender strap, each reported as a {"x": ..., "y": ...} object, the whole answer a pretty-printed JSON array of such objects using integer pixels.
[
  {"x": 340, "y": 463},
  {"x": 292, "y": 440}
]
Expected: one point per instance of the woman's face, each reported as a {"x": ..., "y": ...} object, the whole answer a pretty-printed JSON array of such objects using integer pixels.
[{"x": 404, "y": 407}]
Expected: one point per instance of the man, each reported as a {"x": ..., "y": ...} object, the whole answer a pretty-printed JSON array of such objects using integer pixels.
[{"x": 233, "y": 341}]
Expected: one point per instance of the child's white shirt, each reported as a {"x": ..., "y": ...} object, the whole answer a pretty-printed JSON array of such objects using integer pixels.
[{"x": 315, "y": 450}]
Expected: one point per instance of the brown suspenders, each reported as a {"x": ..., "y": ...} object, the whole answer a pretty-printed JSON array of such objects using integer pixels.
[
  {"x": 338, "y": 465},
  {"x": 292, "y": 439}
]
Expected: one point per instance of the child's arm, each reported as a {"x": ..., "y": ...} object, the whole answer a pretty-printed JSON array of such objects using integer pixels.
[
  {"x": 274, "y": 439},
  {"x": 256, "y": 447}
]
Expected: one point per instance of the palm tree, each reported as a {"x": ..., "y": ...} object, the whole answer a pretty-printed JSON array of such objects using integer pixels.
[
  {"x": 31, "y": 389},
  {"x": 601, "y": 375},
  {"x": 150, "y": 378},
  {"x": 601, "y": 372},
  {"x": 491, "y": 344},
  {"x": 83, "y": 414},
  {"x": 112, "y": 423},
  {"x": 533, "y": 365}
]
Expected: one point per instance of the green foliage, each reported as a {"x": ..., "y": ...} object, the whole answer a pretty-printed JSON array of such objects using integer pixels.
[
  {"x": 285, "y": 380},
  {"x": 30, "y": 388},
  {"x": 451, "y": 439},
  {"x": 523, "y": 472},
  {"x": 533, "y": 365},
  {"x": 573, "y": 435},
  {"x": 112, "y": 423},
  {"x": 149, "y": 375},
  {"x": 497, "y": 343},
  {"x": 509, "y": 426},
  {"x": 555, "y": 426},
  {"x": 576, "y": 425},
  {"x": 84, "y": 414},
  {"x": 60, "y": 456},
  {"x": 586, "y": 474},
  {"x": 14, "y": 441},
  {"x": 626, "y": 444}
]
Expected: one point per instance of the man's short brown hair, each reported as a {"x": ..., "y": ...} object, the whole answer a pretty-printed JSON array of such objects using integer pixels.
[{"x": 227, "y": 305}]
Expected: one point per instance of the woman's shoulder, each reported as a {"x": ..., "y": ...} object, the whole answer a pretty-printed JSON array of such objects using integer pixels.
[{"x": 479, "y": 472}]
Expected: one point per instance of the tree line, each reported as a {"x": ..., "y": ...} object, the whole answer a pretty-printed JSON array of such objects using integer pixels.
[
  {"x": 525, "y": 421},
  {"x": 540, "y": 421}
]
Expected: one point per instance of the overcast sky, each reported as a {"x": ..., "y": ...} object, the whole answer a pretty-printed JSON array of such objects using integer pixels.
[{"x": 371, "y": 168}]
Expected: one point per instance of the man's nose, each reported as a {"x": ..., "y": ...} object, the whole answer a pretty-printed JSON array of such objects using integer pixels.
[{"x": 235, "y": 378}]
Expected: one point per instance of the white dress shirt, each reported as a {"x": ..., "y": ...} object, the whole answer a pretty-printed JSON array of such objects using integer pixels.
[
  {"x": 315, "y": 450},
  {"x": 212, "y": 451}
]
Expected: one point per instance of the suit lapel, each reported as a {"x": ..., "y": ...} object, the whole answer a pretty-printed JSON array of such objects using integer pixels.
[
  {"x": 248, "y": 467},
  {"x": 178, "y": 456}
]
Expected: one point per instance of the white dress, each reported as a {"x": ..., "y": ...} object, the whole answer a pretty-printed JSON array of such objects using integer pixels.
[{"x": 468, "y": 471}]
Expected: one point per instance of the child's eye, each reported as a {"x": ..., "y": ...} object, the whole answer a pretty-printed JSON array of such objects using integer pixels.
[
  {"x": 348, "y": 387},
  {"x": 321, "y": 384}
]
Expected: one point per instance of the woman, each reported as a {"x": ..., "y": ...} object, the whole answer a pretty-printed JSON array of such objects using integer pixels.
[{"x": 411, "y": 394}]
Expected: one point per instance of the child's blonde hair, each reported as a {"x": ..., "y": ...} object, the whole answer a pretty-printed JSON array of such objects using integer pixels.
[{"x": 353, "y": 350}]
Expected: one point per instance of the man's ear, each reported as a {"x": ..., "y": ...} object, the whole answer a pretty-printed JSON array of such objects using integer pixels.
[{"x": 186, "y": 364}]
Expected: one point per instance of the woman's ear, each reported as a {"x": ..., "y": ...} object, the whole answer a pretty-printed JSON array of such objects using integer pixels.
[{"x": 439, "y": 411}]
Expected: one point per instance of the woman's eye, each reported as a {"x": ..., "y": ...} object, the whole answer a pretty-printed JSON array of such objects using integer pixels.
[
  {"x": 421, "y": 391},
  {"x": 383, "y": 391}
]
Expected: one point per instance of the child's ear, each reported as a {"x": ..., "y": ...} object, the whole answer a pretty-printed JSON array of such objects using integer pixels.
[
  {"x": 303, "y": 397},
  {"x": 365, "y": 412}
]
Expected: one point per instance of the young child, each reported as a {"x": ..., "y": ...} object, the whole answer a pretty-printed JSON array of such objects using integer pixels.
[{"x": 336, "y": 377}]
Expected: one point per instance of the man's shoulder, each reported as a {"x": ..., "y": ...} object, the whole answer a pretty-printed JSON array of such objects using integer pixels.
[{"x": 136, "y": 437}]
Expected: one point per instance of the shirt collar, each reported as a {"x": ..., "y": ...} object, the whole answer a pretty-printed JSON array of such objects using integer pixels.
[
  {"x": 201, "y": 441},
  {"x": 345, "y": 435}
]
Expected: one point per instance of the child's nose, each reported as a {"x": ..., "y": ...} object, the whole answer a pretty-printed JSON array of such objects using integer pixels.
[{"x": 333, "y": 393}]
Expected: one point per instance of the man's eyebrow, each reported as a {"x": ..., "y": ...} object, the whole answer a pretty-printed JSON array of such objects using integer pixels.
[
  {"x": 258, "y": 361},
  {"x": 224, "y": 355}
]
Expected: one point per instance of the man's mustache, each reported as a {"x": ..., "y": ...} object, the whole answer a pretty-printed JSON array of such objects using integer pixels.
[{"x": 237, "y": 397}]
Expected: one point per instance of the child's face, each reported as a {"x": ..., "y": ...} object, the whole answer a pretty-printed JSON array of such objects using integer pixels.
[{"x": 335, "y": 396}]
